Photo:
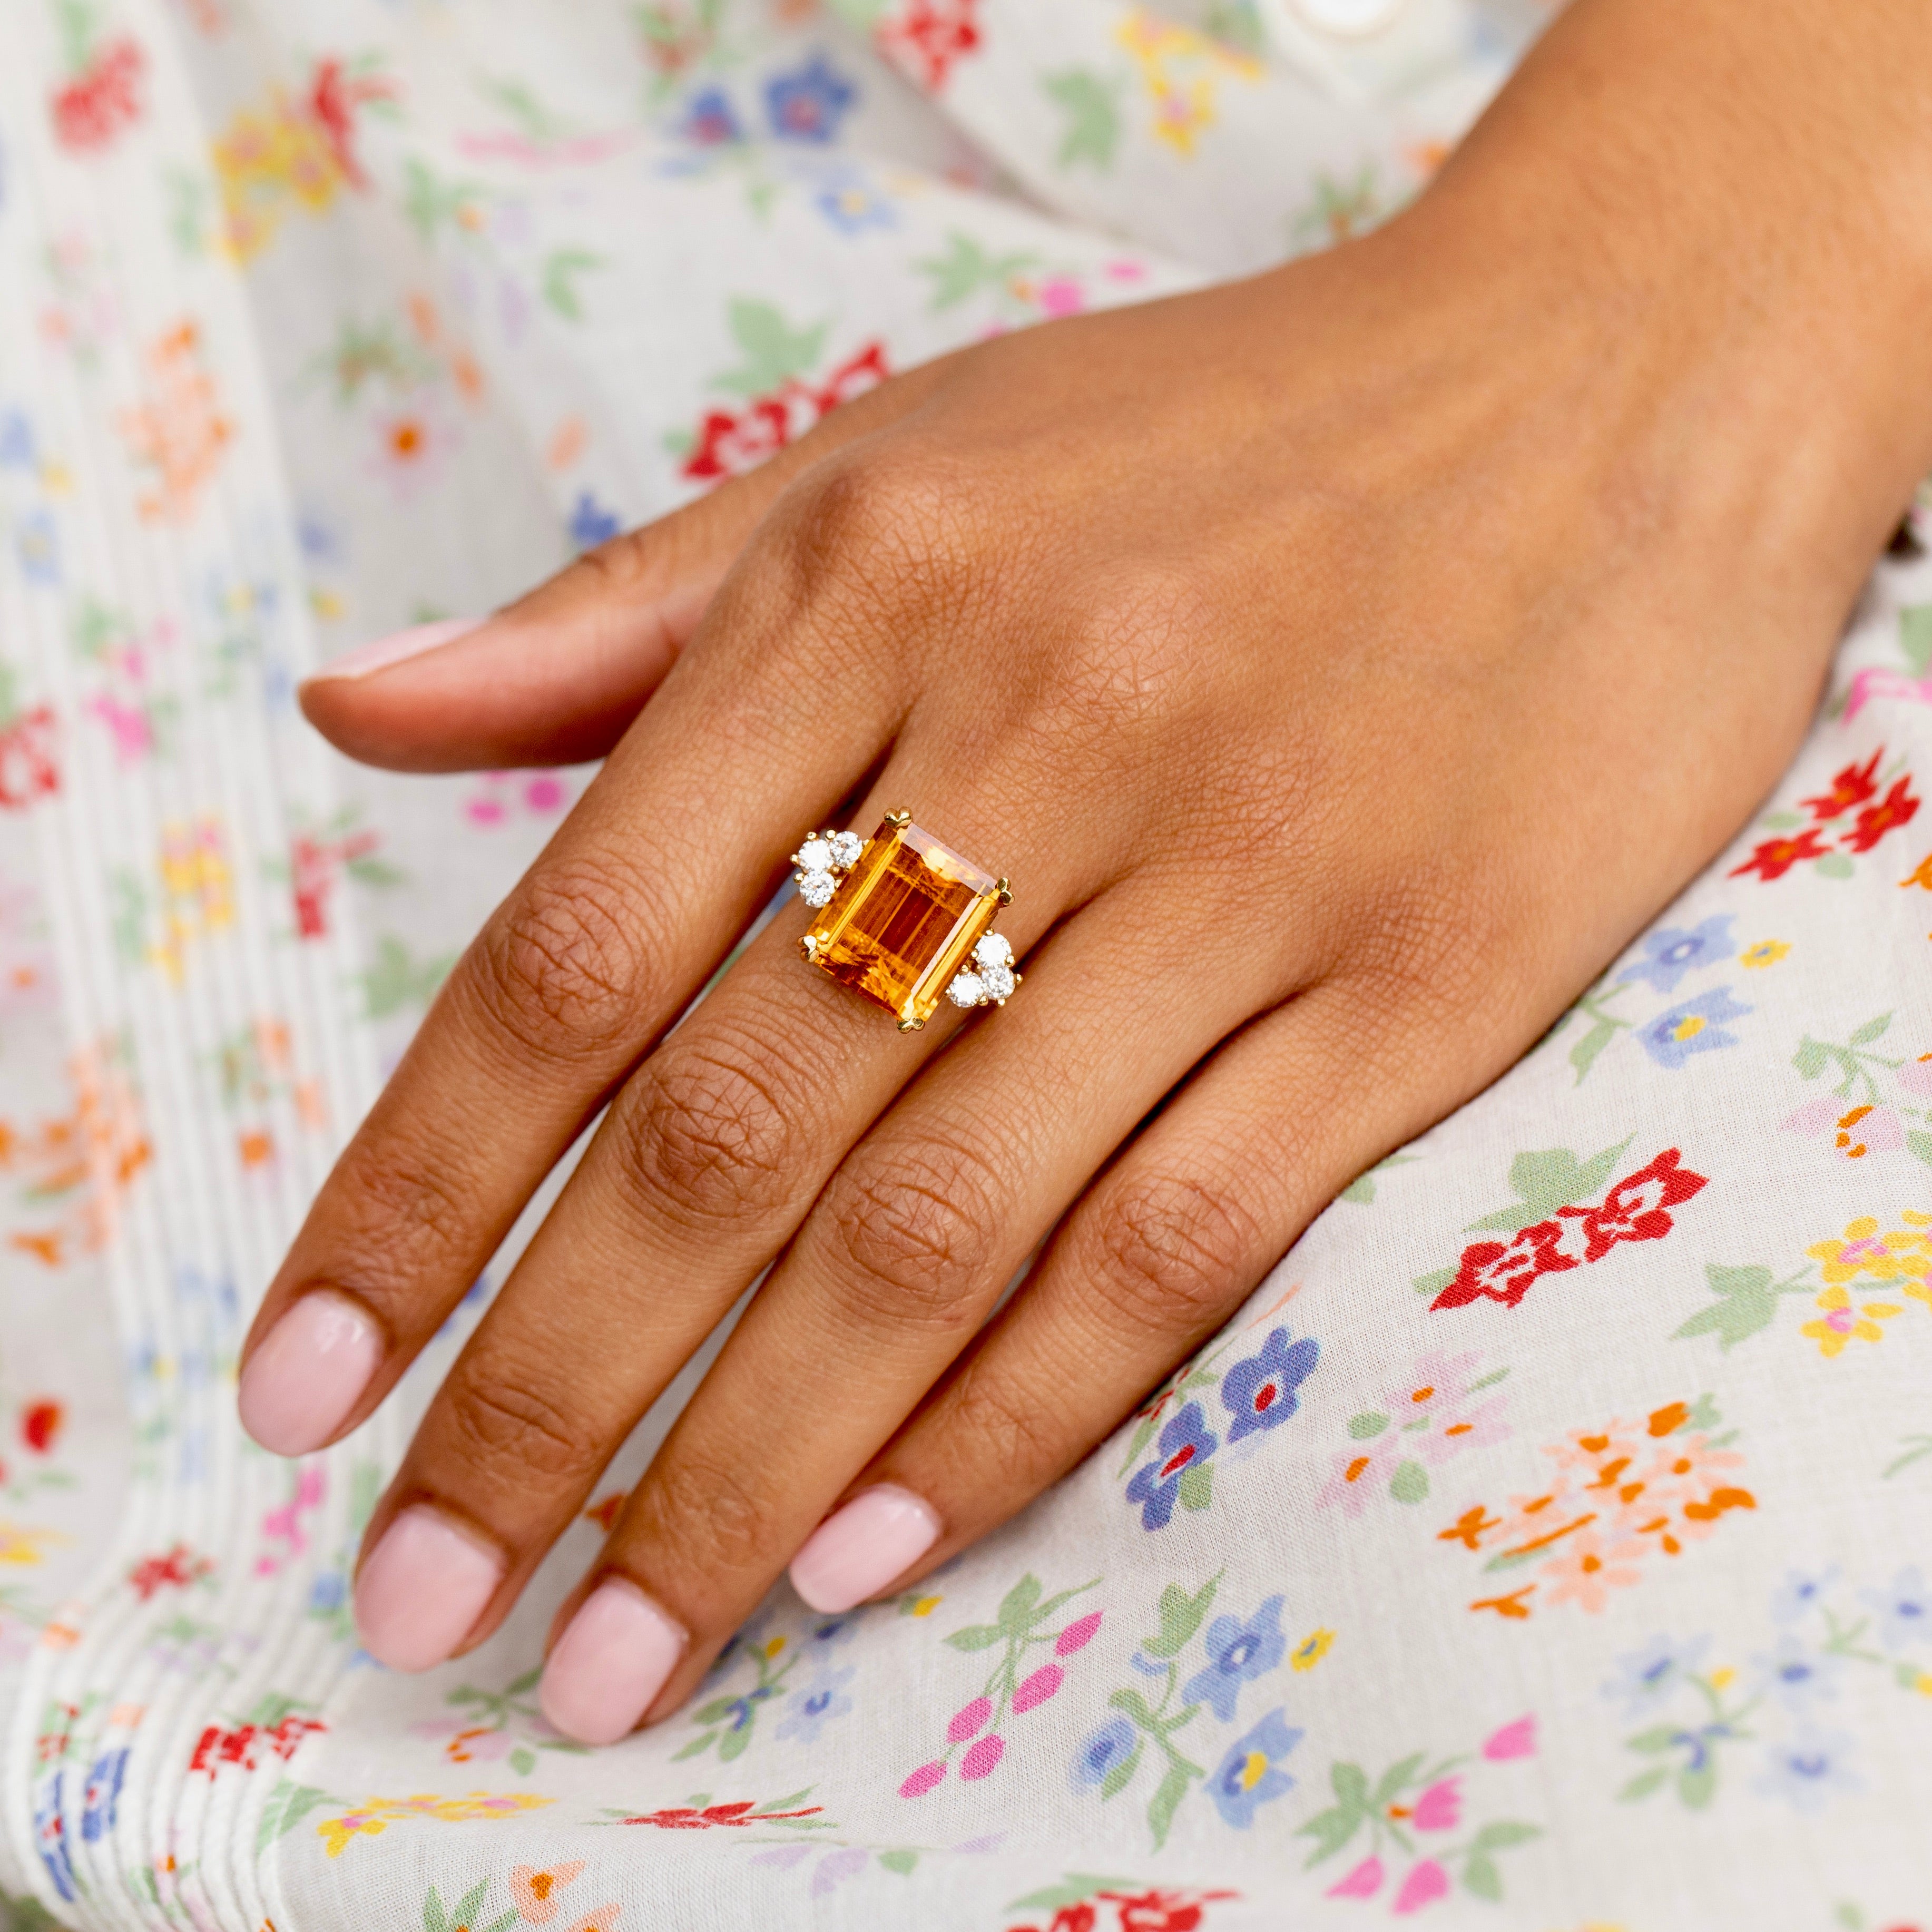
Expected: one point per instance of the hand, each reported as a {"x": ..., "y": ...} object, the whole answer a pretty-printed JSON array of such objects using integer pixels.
[{"x": 1343, "y": 664}]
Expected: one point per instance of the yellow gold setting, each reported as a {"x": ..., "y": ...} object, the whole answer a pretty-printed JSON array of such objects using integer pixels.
[{"x": 904, "y": 919}]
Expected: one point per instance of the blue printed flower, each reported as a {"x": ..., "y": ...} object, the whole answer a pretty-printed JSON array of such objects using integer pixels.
[
  {"x": 1904, "y": 1609},
  {"x": 1692, "y": 1026},
  {"x": 830, "y": 1632},
  {"x": 1801, "y": 1591},
  {"x": 590, "y": 523},
  {"x": 1237, "y": 1653},
  {"x": 1675, "y": 950},
  {"x": 809, "y": 104},
  {"x": 1809, "y": 1768},
  {"x": 1260, "y": 1392},
  {"x": 50, "y": 1833},
  {"x": 1646, "y": 1678},
  {"x": 1186, "y": 1443},
  {"x": 850, "y": 203},
  {"x": 37, "y": 544},
  {"x": 17, "y": 440},
  {"x": 1250, "y": 1775},
  {"x": 815, "y": 1706},
  {"x": 328, "y": 1593},
  {"x": 102, "y": 1795},
  {"x": 1103, "y": 1749},
  {"x": 1798, "y": 1675},
  {"x": 709, "y": 119}
]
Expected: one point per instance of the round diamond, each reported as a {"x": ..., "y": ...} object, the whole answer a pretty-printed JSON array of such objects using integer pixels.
[
  {"x": 993, "y": 951},
  {"x": 997, "y": 981},
  {"x": 816, "y": 888},
  {"x": 966, "y": 990},
  {"x": 844, "y": 850},
  {"x": 814, "y": 856}
]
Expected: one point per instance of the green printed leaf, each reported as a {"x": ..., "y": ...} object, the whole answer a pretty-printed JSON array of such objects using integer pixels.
[
  {"x": 1142, "y": 1436},
  {"x": 1781, "y": 821},
  {"x": 1746, "y": 1302},
  {"x": 696, "y": 1747},
  {"x": 503, "y": 1921},
  {"x": 289, "y": 1803},
  {"x": 1583, "y": 1055},
  {"x": 1480, "y": 1875},
  {"x": 1643, "y": 1784},
  {"x": 1657, "y": 1738},
  {"x": 1914, "y": 636},
  {"x": 1074, "y": 1889},
  {"x": 1812, "y": 1057},
  {"x": 1120, "y": 1776},
  {"x": 1549, "y": 1180},
  {"x": 713, "y": 1712},
  {"x": 1017, "y": 1607},
  {"x": 734, "y": 1743},
  {"x": 1920, "y": 1142},
  {"x": 1394, "y": 1781},
  {"x": 435, "y": 1919},
  {"x": 1434, "y": 1282},
  {"x": 1369, "y": 1423},
  {"x": 1410, "y": 1483},
  {"x": 966, "y": 267},
  {"x": 1504, "y": 1833},
  {"x": 977, "y": 1636},
  {"x": 773, "y": 351},
  {"x": 561, "y": 268},
  {"x": 1093, "y": 130},
  {"x": 1872, "y": 1030},
  {"x": 1165, "y": 1802},
  {"x": 466, "y": 1907},
  {"x": 523, "y": 1762},
  {"x": 1330, "y": 1830},
  {"x": 1135, "y": 1706},
  {"x": 1180, "y": 1616},
  {"x": 899, "y": 1861},
  {"x": 1197, "y": 1486},
  {"x": 1697, "y": 1788},
  {"x": 1832, "y": 865}
]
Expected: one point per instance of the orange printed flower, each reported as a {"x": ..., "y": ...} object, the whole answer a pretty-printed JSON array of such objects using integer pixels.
[
  {"x": 179, "y": 433},
  {"x": 535, "y": 1890},
  {"x": 1588, "y": 1569}
]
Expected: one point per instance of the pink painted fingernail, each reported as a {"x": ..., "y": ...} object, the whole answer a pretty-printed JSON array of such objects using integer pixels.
[
  {"x": 855, "y": 1552},
  {"x": 397, "y": 647},
  {"x": 422, "y": 1589},
  {"x": 614, "y": 1657},
  {"x": 309, "y": 1372}
]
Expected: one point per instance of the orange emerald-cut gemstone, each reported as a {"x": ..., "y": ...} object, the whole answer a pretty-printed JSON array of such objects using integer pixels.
[{"x": 904, "y": 920}]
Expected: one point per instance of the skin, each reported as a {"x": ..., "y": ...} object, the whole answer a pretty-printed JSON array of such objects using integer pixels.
[{"x": 1344, "y": 664}]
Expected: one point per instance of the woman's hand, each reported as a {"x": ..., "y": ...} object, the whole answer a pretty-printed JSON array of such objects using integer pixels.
[{"x": 1343, "y": 664}]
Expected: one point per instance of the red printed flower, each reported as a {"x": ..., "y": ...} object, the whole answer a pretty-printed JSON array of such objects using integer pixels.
[
  {"x": 1852, "y": 786},
  {"x": 728, "y": 445},
  {"x": 1892, "y": 811},
  {"x": 334, "y": 96},
  {"x": 853, "y": 377},
  {"x": 688, "y": 1818},
  {"x": 27, "y": 767},
  {"x": 1503, "y": 1271},
  {"x": 1637, "y": 1208},
  {"x": 102, "y": 99},
  {"x": 1776, "y": 856},
  {"x": 175, "y": 1570},
  {"x": 927, "y": 36},
  {"x": 40, "y": 1425}
]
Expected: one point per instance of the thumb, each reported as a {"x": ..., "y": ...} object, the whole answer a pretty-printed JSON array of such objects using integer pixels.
[{"x": 555, "y": 677}]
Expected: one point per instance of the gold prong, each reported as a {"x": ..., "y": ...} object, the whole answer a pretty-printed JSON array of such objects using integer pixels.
[
  {"x": 1004, "y": 889},
  {"x": 912, "y": 1026},
  {"x": 809, "y": 946},
  {"x": 900, "y": 819}
]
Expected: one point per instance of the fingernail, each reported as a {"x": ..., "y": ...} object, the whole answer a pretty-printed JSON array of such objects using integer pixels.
[
  {"x": 854, "y": 1553},
  {"x": 422, "y": 1589},
  {"x": 309, "y": 1372},
  {"x": 614, "y": 1657},
  {"x": 397, "y": 648}
]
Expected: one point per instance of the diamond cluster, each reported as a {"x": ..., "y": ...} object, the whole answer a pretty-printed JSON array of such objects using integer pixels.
[
  {"x": 990, "y": 980},
  {"x": 822, "y": 861}
]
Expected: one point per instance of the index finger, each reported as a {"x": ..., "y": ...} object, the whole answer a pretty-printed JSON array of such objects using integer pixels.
[{"x": 593, "y": 954}]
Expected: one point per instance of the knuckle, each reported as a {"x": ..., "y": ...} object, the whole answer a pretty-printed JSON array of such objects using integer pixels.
[
  {"x": 915, "y": 1237},
  {"x": 710, "y": 1515},
  {"x": 1007, "y": 1432},
  {"x": 713, "y": 1132},
  {"x": 562, "y": 966},
  {"x": 882, "y": 531},
  {"x": 1170, "y": 1252},
  {"x": 507, "y": 1427},
  {"x": 408, "y": 1223}
]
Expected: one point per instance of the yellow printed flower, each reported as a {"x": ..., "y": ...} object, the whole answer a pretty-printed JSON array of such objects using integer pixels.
[
  {"x": 25, "y": 1547},
  {"x": 1181, "y": 69},
  {"x": 1904, "y": 1254},
  {"x": 1839, "y": 1323},
  {"x": 376, "y": 1815},
  {"x": 1312, "y": 1649},
  {"x": 1765, "y": 952}
]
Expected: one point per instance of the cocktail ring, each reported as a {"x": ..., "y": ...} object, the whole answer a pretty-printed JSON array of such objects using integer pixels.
[{"x": 903, "y": 919}]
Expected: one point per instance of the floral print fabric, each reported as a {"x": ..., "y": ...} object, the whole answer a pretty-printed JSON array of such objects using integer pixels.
[{"x": 1548, "y": 1544}]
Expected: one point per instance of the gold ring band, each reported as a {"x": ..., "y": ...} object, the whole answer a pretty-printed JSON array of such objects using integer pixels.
[{"x": 904, "y": 919}]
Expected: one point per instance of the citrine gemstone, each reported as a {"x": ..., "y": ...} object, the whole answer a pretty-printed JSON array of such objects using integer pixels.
[{"x": 903, "y": 921}]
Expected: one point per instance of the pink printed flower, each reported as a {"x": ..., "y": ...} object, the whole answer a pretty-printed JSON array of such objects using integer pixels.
[
  {"x": 1061, "y": 295},
  {"x": 982, "y": 1756},
  {"x": 1440, "y": 1807},
  {"x": 1077, "y": 1634},
  {"x": 969, "y": 1721},
  {"x": 1364, "y": 1881},
  {"x": 1585, "y": 1569},
  {"x": 1037, "y": 1689},
  {"x": 1515, "y": 1740},
  {"x": 1423, "y": 1886},
  {"x": 601, "y": 1920},
  {"x": 920, "y": 1782}
]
